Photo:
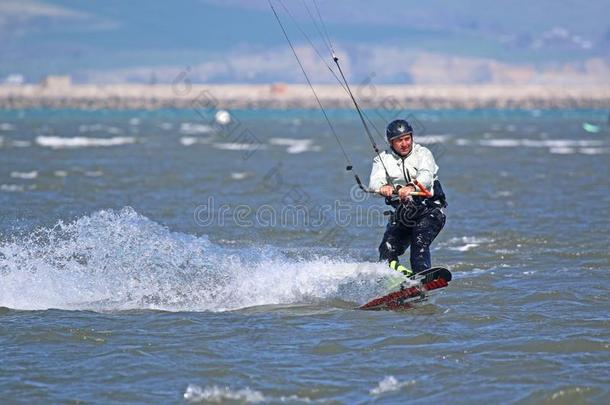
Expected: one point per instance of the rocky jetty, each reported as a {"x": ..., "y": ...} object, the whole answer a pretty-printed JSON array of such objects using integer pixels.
[{"x": 282, "y": 96}]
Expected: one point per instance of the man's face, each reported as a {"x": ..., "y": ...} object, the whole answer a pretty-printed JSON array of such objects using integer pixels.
[{"x": 403, "y": 144}]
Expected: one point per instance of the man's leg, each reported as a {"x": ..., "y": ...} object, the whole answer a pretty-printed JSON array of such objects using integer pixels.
[
  {"x": 424, "y": 232},
  {"x": 395, "y": 241}
]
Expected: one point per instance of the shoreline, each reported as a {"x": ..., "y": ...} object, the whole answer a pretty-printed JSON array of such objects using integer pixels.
[{"x": 284, "y": 96}]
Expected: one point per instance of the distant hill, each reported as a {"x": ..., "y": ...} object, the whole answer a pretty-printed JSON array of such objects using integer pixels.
[{"x": 392, "y": 41}]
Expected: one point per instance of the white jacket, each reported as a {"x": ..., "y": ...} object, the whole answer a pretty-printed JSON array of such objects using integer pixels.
[{"x": 419, "y": 164}]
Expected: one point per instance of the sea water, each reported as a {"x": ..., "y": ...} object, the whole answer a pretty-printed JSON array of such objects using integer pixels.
[{"x": 166, "y": 257}]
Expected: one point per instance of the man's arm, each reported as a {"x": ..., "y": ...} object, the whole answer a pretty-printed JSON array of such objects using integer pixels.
[
  {"x": 426, "y": 172},
  {"x": 377, "y": 179}
]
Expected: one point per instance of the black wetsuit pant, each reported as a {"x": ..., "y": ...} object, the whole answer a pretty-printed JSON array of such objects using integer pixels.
[{"x": 418, "y": 233}]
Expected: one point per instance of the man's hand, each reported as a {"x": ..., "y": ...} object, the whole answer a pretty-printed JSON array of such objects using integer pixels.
[
  {"x": 386, "y": 191},
  {"x": 405, "y": 192}
]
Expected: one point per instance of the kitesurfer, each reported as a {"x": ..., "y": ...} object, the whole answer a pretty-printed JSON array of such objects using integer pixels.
[{"x": 399, "y": 175}]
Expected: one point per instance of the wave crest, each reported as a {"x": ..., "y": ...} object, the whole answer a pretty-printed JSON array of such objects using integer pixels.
[{"x": 118, "y": 260}]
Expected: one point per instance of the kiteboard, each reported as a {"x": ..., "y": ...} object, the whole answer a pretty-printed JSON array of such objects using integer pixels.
[{"x": 406, "y": 297}]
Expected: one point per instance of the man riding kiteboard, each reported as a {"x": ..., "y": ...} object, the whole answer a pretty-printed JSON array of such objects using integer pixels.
[{"x": 406, "y": 177}]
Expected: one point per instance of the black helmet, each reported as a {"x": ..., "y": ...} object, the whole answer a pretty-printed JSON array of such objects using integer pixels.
[{"x": 398, "y": 128}]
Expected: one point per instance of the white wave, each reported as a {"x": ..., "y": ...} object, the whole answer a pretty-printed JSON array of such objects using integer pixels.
[
  {"x": 5, "y": 126},
  {"x": 215, "y": 394},
  {"x": 24, "y": 175},
  {"x": 240, "y": 175},
  {"x": 465, "y": 247},
  {"x": 21, "y": 144},
  {"x": 594, "y": 151},
  {"x": 389, "y": 384},
  {"x": 94, "y": 173},
  {"x": 463, "y": 142},
  {"x": 11, "y": 188},
  {"x": 501, "y": 143},
  {"x": 195, "y": 393},
  {"x": 190, "y": 128},
  {"x": 538, "y": 143},
  {"x": 237, "y": 146},
  {"x": 465, "y": 243},
  {"x": 60, "y": 173},
  {"x": 192, "y": 140},
  {"x": 188, "y": 140},
  {"x": 562, "y": 151},
  {"x": 56, "y": 142},
  {"x": 134, "y": 121},
  {"x": 470, "y": 239},
  {"x": 430, "y": 139},
  {"x": 121, "y": 260},
  {"x": 295, "y": 146}
]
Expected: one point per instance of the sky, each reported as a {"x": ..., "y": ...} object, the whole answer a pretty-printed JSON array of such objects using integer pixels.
[{"x": 239, "y": 41}]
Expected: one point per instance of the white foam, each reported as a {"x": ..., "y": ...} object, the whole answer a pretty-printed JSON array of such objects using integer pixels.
[
  {"x": 24, "y": 175},
  {"x": 214, "y": 393},
  {"x": 562, "y": 151},
  {"x": 470, "y": 239},
  {"x": 192, "y": 140},
  {"x": 60, "y": 173},
  {"x": 190, "y": 128},
  {"x": 501, "y": 143},
  {"x": 21, "y": 144},
  {"x": 295, "y": 146},
  {"x": 390, "y": 384},
  {"x": 237, "y": 146},
  {"x": 188, "y": 140},
  {"x": 540, "y": 143},
  {"x": 12, "y": 188},
  {"x": 240, "y": 175},
  {"x": 431, "y": 139},
  {"x": 94, "y": 173},
  {"x": 134, "y": 121},
  {"x": 56, "y": 142},
  {"x": 120, "y": 260},
  {"x": 5, "y": 126},
  {"x": 465, "y": 243},
  {"x": 594, "y": 151},
  {"x": 465, "y": 247}
]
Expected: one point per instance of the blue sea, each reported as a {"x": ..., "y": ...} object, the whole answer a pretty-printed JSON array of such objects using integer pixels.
[{"x": 186, "y": 256}]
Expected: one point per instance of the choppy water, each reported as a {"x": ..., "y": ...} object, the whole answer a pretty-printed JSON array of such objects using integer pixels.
[{"x": 156, "y": 257}]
